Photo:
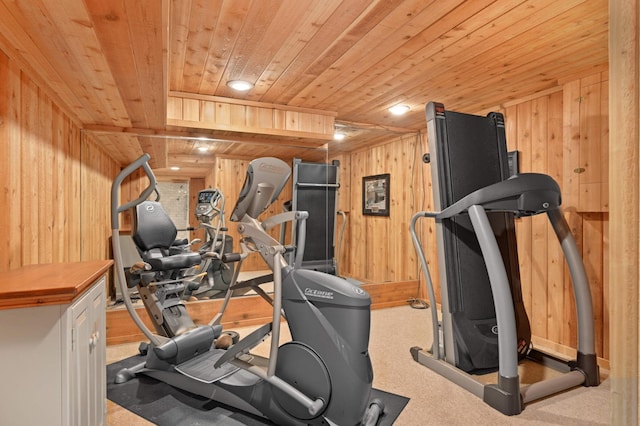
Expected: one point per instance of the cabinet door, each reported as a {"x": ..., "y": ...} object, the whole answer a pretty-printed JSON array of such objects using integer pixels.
[
  {"x": 87, "y": 371},
  {"x": 97, "y": 355},
  {"x": 80, "y": 381},
  {"x": 30, "y": 360}
]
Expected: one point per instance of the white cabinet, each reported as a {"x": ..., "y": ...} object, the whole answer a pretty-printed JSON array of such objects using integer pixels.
[
  {"x": 84, "y": 344},
  {"x": 52, "y": 357}
]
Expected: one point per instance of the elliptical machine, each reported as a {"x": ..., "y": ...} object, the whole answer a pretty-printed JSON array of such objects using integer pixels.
[
  {"x": 209, "y": 212},
  {"x": 323, "y": 376}
]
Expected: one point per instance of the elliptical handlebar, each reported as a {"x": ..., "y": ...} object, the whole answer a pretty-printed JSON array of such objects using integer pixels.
[
  {"x": 142, "y": 161},
  {"x": 116, "y": 209}
]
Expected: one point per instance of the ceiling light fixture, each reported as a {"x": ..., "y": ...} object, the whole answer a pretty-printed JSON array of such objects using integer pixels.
[
  {"x": 399, "y": 109},
  {"x": 203, "y": 148},
  {"x": 338, "y": 136},
  {"x": 240, "y": 85},
  {"x": 175, "y": 168}
]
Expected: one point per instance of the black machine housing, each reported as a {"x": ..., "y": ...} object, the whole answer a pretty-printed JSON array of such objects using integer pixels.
[{"x": 470, "y": 161}]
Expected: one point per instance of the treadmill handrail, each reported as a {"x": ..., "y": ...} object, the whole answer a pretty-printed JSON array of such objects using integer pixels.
[
  {"x": 525, "y": 194},
  {"x": 517, "y": 194},
  {"x": 429, "y": 282},
  {"x": 507, "y": 197}
]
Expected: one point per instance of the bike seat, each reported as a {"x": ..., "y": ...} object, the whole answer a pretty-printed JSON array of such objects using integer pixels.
[{"x": 154, "y": 234}]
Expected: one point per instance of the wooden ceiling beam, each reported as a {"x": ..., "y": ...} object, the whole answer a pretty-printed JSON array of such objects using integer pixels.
[
  {"x": 204, "y": 135},
  {"x": 217, "y": 113}
]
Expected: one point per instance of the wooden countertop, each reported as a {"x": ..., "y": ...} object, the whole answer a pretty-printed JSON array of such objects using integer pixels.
[{"x": 49, "y": 284}]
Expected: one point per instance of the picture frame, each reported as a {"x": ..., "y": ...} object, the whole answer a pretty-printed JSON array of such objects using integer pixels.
[{"x": 375, "y": 195}]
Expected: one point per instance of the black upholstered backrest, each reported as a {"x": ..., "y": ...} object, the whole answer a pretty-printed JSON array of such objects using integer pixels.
[{"x": 152, "y": 227}]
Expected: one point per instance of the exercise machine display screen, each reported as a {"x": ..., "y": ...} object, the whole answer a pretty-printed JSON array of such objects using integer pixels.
[{"x": 205, "y": 196}]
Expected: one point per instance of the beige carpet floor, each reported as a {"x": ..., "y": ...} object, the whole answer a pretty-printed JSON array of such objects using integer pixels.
[{"x": 433, "y": 399}]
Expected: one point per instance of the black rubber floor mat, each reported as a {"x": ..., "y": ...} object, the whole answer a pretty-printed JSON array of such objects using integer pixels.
[{"x": 162, "y": 404}]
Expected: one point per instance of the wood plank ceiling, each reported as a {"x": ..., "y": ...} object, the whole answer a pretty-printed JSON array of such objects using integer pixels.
[{"x": 112, "y": 63}]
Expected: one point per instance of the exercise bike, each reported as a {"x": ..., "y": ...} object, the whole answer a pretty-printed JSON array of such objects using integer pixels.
[{"x": 322, "y": 376}]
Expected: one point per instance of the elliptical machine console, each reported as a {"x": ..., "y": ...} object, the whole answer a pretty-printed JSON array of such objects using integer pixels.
[
  {"x": 208, "y": 200},
  {"x": 322, "y": 376}
]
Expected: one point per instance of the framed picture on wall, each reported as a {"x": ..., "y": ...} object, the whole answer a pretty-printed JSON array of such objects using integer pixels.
[{"x": 375, "y": 195}]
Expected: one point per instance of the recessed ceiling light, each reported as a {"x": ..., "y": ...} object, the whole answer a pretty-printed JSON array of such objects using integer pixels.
[
  {"x": 338, "y": 136},
  {"x": 175, "y": 168},
  {"x": 399, "y": 109},
  {"x": 203, "y": 148},
  {"x": 240, "y": 85}
]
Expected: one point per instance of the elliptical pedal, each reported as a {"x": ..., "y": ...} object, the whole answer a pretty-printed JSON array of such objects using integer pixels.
[
  {"x": 244, "y": 345},
  {"x": 201, "y": 368}
]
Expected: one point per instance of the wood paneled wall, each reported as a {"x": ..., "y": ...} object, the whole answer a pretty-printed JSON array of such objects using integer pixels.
[
  {"x": 563, "y": 133},
  {"x": 55, "y": 180},
  {"x": 98, "y": 170},
  {"x": 379, "y": 247}
]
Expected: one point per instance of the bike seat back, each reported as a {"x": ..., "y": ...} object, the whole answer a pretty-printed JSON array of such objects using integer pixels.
[{"x": 154, "y": 233}]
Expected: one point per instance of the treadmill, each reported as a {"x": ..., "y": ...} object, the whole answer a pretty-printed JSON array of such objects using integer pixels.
[
  {"x": 484, "y": 325},
  {"x": 315, "y": 190}
]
